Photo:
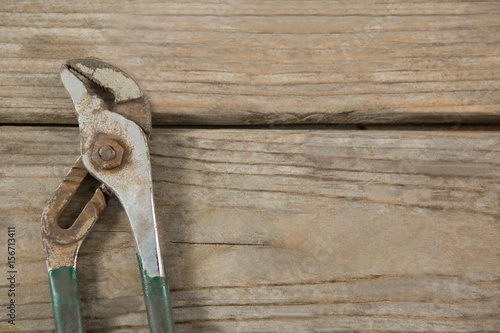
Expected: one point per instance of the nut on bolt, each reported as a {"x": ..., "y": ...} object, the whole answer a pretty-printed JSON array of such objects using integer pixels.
[{"x": 107, "y": 153}]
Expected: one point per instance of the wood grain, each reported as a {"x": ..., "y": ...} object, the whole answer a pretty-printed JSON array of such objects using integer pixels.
[
  {"x": 262, "y": 62},
  {"x": 279, "y": 231}
]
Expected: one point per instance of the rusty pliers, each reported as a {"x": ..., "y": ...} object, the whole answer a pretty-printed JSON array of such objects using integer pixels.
[{"x": 114, "y": 151}]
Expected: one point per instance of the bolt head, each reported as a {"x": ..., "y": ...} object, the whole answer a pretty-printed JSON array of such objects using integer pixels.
[{"x": 107, "y": 153}]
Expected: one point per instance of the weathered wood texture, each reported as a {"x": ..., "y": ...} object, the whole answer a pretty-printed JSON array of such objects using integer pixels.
[
  {"x": 262, "y": 62},
  {"x": 279, "y": 231}
]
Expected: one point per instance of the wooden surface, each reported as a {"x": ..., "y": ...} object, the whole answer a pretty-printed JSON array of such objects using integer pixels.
[
  {"x": 279, "y": 231},
  {"x": 262, "y": 62},
  {"x": 272, "y": 230}
]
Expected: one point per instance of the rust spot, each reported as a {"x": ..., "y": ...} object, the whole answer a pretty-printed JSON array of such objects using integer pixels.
[{"x": 107, "y": 153}]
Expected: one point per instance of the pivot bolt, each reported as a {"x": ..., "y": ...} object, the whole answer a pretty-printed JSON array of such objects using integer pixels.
[{"x": 107, "y": 153}]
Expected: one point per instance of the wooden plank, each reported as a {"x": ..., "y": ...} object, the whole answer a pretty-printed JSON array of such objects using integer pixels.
[
  {"x": 262, "y": 62},
  {"x": 279, "y": 231}
]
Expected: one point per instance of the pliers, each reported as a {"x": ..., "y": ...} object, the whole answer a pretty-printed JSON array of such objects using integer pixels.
[{"x": 114, "y": 150}]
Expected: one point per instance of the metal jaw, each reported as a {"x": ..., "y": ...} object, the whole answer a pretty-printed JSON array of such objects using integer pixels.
[{"x": 128, "y": 99}]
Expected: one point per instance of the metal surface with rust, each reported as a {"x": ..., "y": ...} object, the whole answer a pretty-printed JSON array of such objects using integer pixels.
[
  {"x": 130, "y": 180},
  {"x": 129, "y": 100},
  {"x": 62, "y": 244},
  {"x": 114, "y": 150},
  {"x": 107, "y": 153}
]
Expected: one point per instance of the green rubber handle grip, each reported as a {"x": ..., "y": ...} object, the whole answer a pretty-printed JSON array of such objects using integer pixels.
[
  {"x": 158, "y": 303},
  {"x": 65, "y": 300}
]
